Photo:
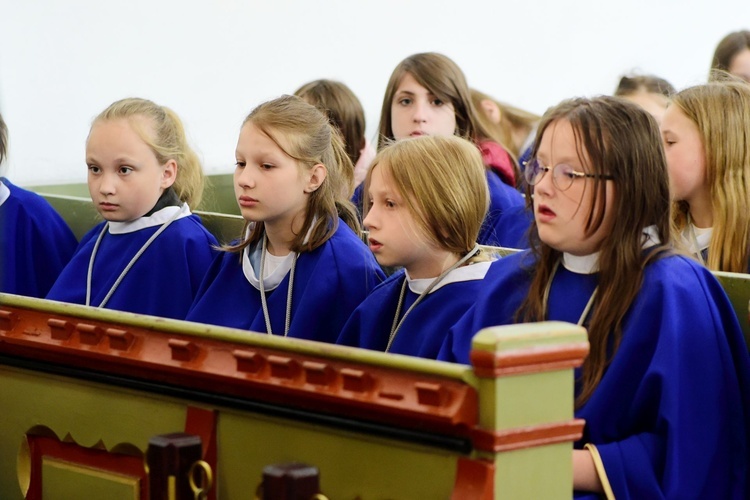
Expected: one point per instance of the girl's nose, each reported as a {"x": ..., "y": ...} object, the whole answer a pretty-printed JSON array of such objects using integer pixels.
[
  {"x": 107, "y": 184},
  {"x": 370, "y": 219},
  {"x": 244, "y": 178},
  {"x": 545, "y": 186}
]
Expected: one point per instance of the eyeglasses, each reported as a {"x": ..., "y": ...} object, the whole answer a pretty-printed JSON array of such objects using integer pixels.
[{"x": 563, "y": 174}]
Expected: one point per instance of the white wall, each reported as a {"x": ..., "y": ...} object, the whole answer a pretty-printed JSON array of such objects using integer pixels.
[{"x": 212, "y": 61}]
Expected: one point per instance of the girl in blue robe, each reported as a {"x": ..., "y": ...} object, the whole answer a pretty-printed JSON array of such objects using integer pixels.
[
  {"x": 427, "y": 94},
  {"x": 665, "y": 388},
  {"x": 426, "y": 200},
  {"x": 300, "y": 268},
  {"x": 35, "y": 242},
  {"x": 151, "y": 253}
]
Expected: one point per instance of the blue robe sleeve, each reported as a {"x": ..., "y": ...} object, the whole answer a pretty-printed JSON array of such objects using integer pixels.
[
  {"x": 505, "y": 286},
  {"x": 670, "y": 416},
  {"x": 35, "y": 243}
]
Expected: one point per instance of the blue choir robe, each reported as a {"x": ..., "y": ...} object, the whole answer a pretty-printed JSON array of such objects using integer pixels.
[
  {"x": 670, "y": 416},
  {"x": 423, "y": 331},
  {"x": 35, "y": 242},
  {"x": 329, "y": 283},
  {"x": 508, "y": 219},
  {"x": 162, "y": 282}
]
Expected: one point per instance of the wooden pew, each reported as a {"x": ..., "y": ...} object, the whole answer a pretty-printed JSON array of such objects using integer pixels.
[
  {"x": 81, "y": 216},
  {"x": 84, "y": 391},
  {"x": 737, "y": 287},
  {"x": 218, "y": 194}
]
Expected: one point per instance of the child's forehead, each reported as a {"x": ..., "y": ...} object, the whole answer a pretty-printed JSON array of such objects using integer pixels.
[{"x": 561, "y": 141}]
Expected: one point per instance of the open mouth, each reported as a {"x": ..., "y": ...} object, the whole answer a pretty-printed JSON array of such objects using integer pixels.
[{"x": 374, "y": 244}]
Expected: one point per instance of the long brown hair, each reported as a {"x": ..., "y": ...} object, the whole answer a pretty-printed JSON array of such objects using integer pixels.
[
  {"x": 728, "y": 47},
  {"x": 343, "y": 109},
  {"x": 622, "y": 140},
  {"x": 304, "y": 133},
  {"x": 441, "y": 76}
]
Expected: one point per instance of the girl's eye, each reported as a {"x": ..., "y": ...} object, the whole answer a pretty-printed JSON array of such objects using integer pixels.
[
  {"x": 266, "y": 166},
  {"x": 94, "y": 169},
  {"x": 404, "y": 101},
  {"x": 389, "y": 203},
  {"x": 125, "y": 170},
  {"x": 437, "y": 102},
  {"x": 240, "y": 164}
]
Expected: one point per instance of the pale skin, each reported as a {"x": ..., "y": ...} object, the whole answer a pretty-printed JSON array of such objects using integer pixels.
[
  {"x": 686, "y": 160},
  {"x": 585, "y": 477},
  {"x": 394, "y": 236},
  {"x": 273, "y": 187}
]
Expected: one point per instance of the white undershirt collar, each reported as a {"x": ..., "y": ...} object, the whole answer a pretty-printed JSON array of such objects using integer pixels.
[
  {"x": 276, "y": 266},
  {"x": 465, "y": 273},
  {"x": 589, "y": 264},
  {"x": 702, "y": 238},
  {"x": 155, "y": 219},
  {"x": 4, "y": 193}
]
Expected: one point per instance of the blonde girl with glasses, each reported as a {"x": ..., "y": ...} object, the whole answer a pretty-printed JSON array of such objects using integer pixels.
[
  {"x": 150, "y": 253},
  {"x": 426, "y": 200},
  {"x": 665, "y": 390},
  {"x": 299, "y": 268},
  {"x": 705, "y": 133}
]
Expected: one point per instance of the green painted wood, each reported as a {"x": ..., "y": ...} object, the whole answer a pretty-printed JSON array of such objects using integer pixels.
[
  {"x": 737, "y": 287},
  {"x": 218, "y": 195},
  {"x": 81, "y": 216}
]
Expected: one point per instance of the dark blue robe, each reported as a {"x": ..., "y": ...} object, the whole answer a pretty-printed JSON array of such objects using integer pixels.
[
  {"x": 423, "y": 331},
  {"x": 329, "y": 283},
  {"x": 162, "y": 282},
  {"x": 507, "y": 218},
  {"x": 670, "y": 416},
  {"x": 35, "y": 243}
]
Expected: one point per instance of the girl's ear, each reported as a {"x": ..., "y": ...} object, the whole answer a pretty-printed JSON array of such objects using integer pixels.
[
  {"x": 492, "y": 110},
  {"x": 169, "y": 175},
  {"x": 317, "y": 175}
]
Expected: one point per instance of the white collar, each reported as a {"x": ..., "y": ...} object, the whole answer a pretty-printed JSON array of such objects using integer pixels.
[
  {"x": 4, "y": 193},
  {"x": 273, "y": 280},
  {"x": 589, "y": 264},
  {"x": 581, "y": 264},
  {"x": 702, "y": 238},
  {"x": 465, "y": 273},
  {"x": 156, "y": 219}
]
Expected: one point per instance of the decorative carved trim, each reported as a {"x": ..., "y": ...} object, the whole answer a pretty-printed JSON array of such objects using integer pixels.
[
  {"x": 530, "y": 360},
  {"x": 528, "y": 437}
]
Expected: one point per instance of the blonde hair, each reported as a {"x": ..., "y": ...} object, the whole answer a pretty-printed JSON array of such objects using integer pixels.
[
  {"x": 444, "y": 185},
  {"x": 512, "y": 119},
  {"x": 304, "y": 134},
  {"x": 721, "y": 111},
  {"x": 167, "y": 140}
]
